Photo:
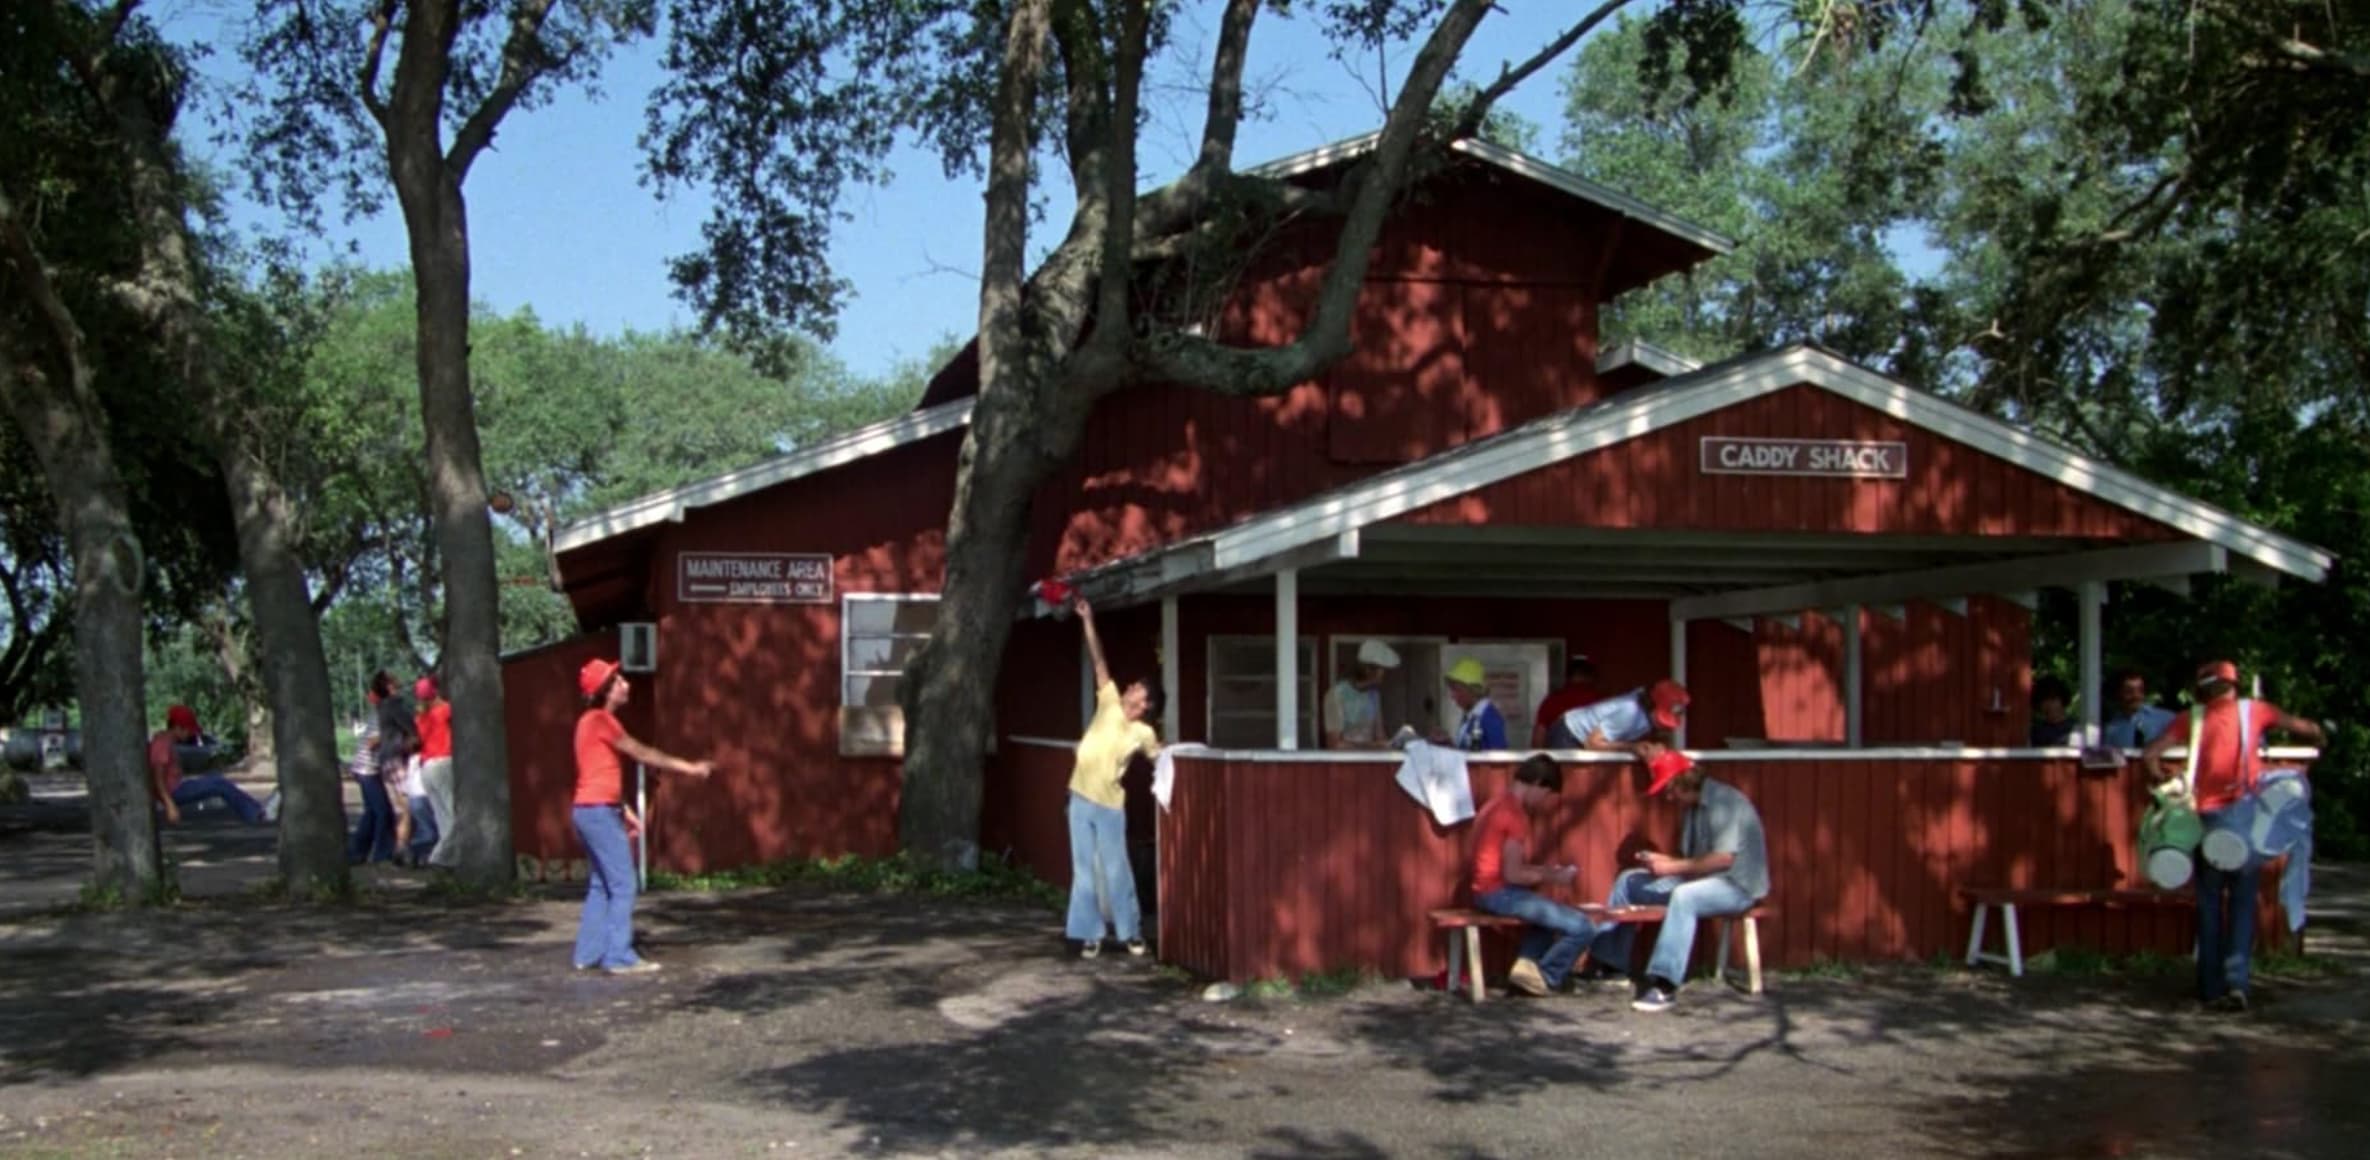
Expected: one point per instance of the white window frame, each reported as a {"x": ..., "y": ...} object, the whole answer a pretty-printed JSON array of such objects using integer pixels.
[
  {"x": 871, "y": 731},
  {"x": 1310, "y": 705}
]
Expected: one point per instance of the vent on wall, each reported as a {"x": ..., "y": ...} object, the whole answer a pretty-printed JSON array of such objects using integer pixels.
[{"x": 637, "y": 648}]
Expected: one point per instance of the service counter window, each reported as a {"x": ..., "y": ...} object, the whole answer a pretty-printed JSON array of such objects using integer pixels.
[
  {"x": 1242, "y": 702},
  {"x": 879, "y": 634},
  {"x": 1413, "y": 694}
]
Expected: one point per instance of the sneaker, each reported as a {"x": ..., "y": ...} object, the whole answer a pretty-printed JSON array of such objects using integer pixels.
[
  {"x": 1089, "y": 948},
  {"x": 2228, "y": 1003},
  {"x": 1525, "y": 977},
  {"x": 1654, "y": 1001},
  {"x": 637, "y": 967},
  {"x": 1136, "y": 947}
]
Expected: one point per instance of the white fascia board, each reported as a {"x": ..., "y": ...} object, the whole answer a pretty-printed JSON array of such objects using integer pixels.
[
  {"x": 669, "y": 505},
  {"x": 2080, "y": 472},
  {"x": 2179, "y": 558},
  {"x": 1521, "y": 165},
  {"x": 1669, "y": 364}
]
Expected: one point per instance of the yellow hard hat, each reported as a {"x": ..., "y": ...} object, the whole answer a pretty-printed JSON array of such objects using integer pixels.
[{"x": 1468, "y": 672}]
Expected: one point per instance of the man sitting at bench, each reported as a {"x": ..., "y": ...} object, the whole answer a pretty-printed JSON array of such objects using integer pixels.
[
  {"x": 1722, "y": 869},
  {"x": 1503, "y": 875}
]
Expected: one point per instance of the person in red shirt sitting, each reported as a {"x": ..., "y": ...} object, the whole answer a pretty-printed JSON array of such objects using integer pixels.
[
  {"x": 174, "y": 791},
  {"x": 2228, "y": 761},
  {"x": 605, "y": 936},
  {"x": 1504, "y": 875},
  {"x": 1579, "y": 688}
]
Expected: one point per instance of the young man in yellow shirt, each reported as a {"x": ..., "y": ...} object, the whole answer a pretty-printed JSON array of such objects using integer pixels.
[{"x": 1101, "y": 877}]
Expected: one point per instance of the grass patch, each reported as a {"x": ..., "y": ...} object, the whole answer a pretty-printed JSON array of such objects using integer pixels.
[
  {"x": 2308, "y": 965},
  {"x": 1314, "y": 985},
  {"x": 1821, "y": 968},
  {"x": 2080, "y": 962},
  {"x": 892, "y": 875}
]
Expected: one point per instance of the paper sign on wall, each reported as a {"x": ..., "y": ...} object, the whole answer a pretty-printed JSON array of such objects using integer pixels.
[{"x": 752, "y": 578}]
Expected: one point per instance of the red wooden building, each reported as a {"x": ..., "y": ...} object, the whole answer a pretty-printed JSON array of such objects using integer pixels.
[{"x": 1839, "y": 564}]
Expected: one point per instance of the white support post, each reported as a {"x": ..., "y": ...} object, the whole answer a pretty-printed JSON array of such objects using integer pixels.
[
  {"x": 642, "y": 840},
  {"x": 1679, "y": 673},
  {"x": 1288, "y": 659},
  {"x": 1169, "y": 668},
  {"x": 1853, "y": 713},
  {"x": 2093, "y": 596}
]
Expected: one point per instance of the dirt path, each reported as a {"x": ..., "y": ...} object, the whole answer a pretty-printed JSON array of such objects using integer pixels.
[{"x": 802, "y": 1023}]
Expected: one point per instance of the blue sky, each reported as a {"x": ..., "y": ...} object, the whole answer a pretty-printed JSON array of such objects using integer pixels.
[{"x": 560, "y": 223}]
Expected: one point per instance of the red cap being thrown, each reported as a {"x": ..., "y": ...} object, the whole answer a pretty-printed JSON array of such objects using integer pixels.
[
  {"x": 594, "y": 674},
  {"x": 1666, "y": 768},
  {"x": 181, "y": 717},
  {"x": 1668, "y": 699}
]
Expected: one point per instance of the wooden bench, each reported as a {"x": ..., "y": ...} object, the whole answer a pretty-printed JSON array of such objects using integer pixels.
[
  {"x": 1986, "y": 899},
  {"x": 1471, "y": 923}
]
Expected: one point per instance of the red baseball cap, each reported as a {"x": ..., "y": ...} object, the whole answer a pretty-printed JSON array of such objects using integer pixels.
[
  {"x": 1668, "y": 699},
  {"x": 1666, "y": 768},
  {"x": 2212, "y": 671},
  {"x": 181, "y": 717},
  {"x": 595, "y": 673},
  {"x": 424, "y": 689}
]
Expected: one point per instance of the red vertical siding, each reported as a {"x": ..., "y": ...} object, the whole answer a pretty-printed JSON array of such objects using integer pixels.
[
  {"x": 1654, "y": 481},
  {"x": 1283, "y": 868}
]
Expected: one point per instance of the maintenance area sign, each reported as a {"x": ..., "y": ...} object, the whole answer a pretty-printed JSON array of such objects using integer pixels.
[
  {"x": 1833, "y": 458},
  {"x": 752, "y": 578}
]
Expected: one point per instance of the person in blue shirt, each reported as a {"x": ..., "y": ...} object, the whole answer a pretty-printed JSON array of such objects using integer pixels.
[
  {"x": 1632, "y": 721},
  {"x": 1483, "y": 726},
  {"x": 2136, "y": 721}
]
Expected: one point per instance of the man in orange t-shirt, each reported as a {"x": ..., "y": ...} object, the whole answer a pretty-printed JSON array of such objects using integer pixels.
[
  {"x": 605, "y": 935},
  {"x": 2228, "y": 761},
  {"x": 1503, "y": 877},
  {"x": 436, "y": 767}
]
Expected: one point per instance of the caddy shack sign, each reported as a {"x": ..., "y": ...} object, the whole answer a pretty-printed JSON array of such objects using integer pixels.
[
  {"x": 752, "y": 578},
  {"x": 1836, "y": 458}
]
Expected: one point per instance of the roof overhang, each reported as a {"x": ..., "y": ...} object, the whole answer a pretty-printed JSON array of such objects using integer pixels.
[
  {"x": 669, "y": 506},
  {"x": 1347, "y": 527}
]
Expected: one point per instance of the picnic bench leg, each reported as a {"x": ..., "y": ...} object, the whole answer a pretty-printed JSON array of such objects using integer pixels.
[
  {"x": 1975, "y": 934},
  {"x": 1721, "y": 972},
  {"x": 1456, "y": 962},
  {"x": 1473, "y": 952},
  {"x": 1753, "y": 953},
  {"x": 2015, "y": 944}
]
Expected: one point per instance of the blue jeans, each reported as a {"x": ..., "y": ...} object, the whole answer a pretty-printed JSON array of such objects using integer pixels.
[
  {"x": 374, "y": 836},
  {"x": 1101, "y": 877},
  {"x": 1556, "y": 933},
  {"x": 605, "y": 936},
  {"x": 423, "y": 827},
  {"x": 200, "y": 787},
  {"x": 2225, "y": 941},
  {"x": 1689, "y": 902}
]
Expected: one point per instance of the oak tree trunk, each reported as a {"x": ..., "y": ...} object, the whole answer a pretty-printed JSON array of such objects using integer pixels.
[
  {"x": 62, "y": 422},
  {"x": 302, "y": 738},
  {"x": 436, "y": 217}
]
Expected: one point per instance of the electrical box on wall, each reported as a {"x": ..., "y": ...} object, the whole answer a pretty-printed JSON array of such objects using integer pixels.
[{"x": 637, "y": 648}]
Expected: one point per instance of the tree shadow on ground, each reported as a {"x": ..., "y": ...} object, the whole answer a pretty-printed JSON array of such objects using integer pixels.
[{"x": 1093, "y": 1064}]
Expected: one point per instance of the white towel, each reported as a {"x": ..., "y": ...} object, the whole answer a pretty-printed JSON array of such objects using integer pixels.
[
  {"x": 1435, "y": 776},
  {"x": 1164, "y": 771}
]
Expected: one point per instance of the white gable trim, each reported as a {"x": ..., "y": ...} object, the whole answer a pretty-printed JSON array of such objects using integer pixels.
[
  {"x": 669, "y": 505},
  {"x": 1637, "y": 352},
  {"x": 1545, "y": 442},
  {"x": 1519, "y": 164}
]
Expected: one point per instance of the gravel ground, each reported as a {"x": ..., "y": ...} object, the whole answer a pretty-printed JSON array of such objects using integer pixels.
[{"x": 809, "y": 1023}]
